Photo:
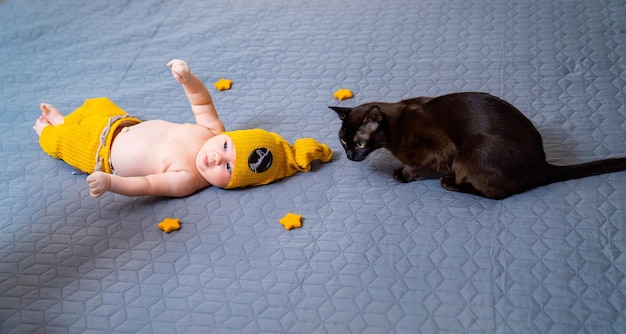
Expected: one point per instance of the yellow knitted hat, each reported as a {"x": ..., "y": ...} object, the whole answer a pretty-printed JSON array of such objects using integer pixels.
[{"x": 264, "y": 157}]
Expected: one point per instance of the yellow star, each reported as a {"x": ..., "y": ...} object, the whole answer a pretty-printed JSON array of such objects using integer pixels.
[
  {"x": 342, "y": 94},
  {"x": 169, "y": 224},
  {"x": 223, "y": 84},
  {"x": 291, "y": 220}
]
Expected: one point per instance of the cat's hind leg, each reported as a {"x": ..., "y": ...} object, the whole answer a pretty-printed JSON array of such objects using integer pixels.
[
  {"x": 412, "y": 173},
  {"x": 475, "y": 172},
  {"x": 449, "y": 182}
]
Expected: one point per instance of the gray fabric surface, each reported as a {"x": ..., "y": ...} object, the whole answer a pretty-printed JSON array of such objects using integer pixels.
[{"x": 372, "y": 255}]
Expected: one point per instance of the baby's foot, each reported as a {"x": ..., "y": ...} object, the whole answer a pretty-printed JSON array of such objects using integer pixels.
[
  {"x": 50, "y": 113},
  {"x": 40, "y": 123}
]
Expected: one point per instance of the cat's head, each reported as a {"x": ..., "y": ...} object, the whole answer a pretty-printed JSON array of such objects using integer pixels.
[{"x": 361, "y": 132}]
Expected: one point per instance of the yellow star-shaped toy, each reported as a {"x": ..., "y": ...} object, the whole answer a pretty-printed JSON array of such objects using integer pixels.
[
  {"x": 169, "y": 224},
  {"x": 223, "y": 84},
  {"x": 291, "y": 220},
  {"x": 342, "y": 94}
]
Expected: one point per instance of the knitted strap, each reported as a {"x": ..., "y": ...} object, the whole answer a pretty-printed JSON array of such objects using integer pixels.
[{"x": 103, "y": 140}]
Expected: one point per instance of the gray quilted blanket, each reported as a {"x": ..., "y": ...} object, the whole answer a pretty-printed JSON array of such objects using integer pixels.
[{"x": 372, "y": 255}]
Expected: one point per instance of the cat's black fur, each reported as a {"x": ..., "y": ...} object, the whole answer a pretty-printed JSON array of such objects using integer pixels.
[{"x": 476, "y": 142}]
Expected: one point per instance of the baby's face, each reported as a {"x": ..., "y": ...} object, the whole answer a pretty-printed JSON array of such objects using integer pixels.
[{"x": 216, "y": 160}]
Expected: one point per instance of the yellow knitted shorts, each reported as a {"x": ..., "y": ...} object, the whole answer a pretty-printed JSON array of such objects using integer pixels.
[{"x": 84, "y": 139}]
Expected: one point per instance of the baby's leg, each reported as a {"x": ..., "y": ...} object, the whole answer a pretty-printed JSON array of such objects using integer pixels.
[{"x": 51, "y": 113}]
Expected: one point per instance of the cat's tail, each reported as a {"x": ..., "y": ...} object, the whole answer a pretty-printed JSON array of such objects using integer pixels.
[{"x": 563, "y": 173}]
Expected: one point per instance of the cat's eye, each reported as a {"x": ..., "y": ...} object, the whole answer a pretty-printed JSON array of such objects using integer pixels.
[
  {"x": 360, "y": 145},
  {"x": 343, "y": 142}
]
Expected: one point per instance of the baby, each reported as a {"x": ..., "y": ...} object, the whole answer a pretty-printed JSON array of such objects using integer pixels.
[{"x": 127, "y": 156}]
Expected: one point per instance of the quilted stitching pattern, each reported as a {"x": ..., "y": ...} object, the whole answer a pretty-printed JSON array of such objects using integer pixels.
[{"x": 372, "y": 255}]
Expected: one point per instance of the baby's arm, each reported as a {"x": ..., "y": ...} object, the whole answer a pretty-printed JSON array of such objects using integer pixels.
[
  {"x": 198, "y": 96},
  {"x": 170, "y": 184}
]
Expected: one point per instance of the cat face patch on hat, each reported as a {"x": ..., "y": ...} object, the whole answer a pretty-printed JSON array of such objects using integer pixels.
[{"x": 264, "y": 157}]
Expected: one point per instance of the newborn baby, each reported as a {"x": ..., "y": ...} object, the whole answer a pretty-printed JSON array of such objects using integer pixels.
[{"x": 127, "y": 156}]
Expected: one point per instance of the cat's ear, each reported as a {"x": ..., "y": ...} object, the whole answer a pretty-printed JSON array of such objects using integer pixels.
[
  {"x": 375, "y": 114},
  {"x": 342, "y": 112}
]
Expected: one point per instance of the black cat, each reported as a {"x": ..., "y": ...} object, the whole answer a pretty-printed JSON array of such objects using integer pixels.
[{"x": 476, "y": 142}]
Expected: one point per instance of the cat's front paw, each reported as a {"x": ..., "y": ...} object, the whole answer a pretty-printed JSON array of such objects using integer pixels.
[
  {"x": 398, "y": 175},
  {"x": 449, "y": 182}
]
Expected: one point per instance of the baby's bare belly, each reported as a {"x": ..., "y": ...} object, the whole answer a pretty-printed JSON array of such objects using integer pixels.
[{"x": 153, "y": 147}]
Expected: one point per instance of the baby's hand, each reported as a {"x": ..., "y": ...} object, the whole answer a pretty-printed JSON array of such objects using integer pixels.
[
  {"x": 99, "y": 183},
  {"x": 180, "y": 70}
]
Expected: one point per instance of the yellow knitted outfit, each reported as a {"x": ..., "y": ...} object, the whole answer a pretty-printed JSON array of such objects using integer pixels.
[
  {"x": 84, "y": 139},
  {"x": 263, "y": 157}
]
